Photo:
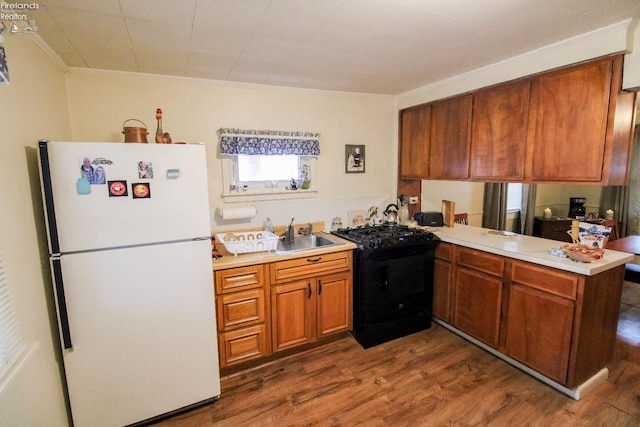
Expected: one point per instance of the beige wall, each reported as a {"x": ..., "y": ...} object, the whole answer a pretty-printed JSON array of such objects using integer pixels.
[
  {"x": 33, "y": 106},
  {"x": 193, "y": 111}
]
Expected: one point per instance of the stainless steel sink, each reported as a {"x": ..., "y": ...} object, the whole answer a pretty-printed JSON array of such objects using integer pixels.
[{"x": 304, "y": 243}]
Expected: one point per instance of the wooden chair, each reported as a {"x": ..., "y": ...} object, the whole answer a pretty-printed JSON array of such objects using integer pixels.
[
  {"x": 613, "y": 223},
  {"x": 461, "y": 218}
]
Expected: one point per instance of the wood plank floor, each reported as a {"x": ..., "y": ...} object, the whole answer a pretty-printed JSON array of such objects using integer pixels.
[{"x": 432, "y": 378}]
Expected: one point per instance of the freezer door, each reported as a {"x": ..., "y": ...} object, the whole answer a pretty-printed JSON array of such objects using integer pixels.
[
  {"x": 142, "y": 324},
  {"x": 146, "y": 193}
]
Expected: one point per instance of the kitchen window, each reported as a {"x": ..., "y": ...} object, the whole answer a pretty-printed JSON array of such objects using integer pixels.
[{"x": 268, "y": 165}]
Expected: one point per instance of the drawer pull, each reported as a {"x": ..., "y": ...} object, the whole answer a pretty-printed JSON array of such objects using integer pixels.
[{"x": 314, "y": 260}]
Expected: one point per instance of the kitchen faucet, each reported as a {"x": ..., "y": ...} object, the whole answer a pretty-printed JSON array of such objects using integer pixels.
[{"x": 289, "y": 234}]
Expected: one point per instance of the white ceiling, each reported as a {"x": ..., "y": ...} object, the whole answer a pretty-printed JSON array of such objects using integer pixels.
[{"x": 366, "y": 46}]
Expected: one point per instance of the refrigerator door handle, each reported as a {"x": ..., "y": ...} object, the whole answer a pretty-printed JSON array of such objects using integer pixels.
[{"x": 61, "y": 302}]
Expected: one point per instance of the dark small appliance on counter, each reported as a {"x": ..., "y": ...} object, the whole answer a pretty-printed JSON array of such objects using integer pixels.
[
  {"x": 432, "y": 219},
  {"x": 576, "y": 207}
]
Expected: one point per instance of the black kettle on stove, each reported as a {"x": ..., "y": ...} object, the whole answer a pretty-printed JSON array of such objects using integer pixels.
[{"x": 391, "y": 215}]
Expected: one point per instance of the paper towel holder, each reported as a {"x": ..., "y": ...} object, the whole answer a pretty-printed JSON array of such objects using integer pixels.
[{"x": 241, "y": 212}]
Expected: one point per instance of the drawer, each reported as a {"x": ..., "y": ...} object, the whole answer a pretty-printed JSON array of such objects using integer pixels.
[
  {"x": 237, "y": 279},
  {"x": 243, "y": 345},
  {"x": 481, "y": 261},
  {"x": 444, "y": 251},
  {"x": 545, "y": 279},
  {"x": 240, "y": 309},
  {"x": 311, "y": 266}
]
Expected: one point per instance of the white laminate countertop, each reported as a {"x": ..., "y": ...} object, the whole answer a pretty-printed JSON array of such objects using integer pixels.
[{"x": 527, "y": 248}]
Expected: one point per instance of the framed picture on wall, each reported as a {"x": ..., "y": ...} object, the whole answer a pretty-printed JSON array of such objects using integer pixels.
[{"x": 354, "y": 158}]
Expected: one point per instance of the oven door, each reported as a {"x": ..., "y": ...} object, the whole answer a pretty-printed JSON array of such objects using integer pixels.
[{"x": 395, "y": 286}]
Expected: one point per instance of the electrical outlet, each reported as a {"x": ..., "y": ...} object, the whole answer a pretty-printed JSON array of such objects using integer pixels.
[{"x": 413, "y": 200}]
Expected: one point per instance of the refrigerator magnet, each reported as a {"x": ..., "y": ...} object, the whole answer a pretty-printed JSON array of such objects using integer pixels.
[
  {"x": 173, "y": 173},
  {"x": 83, "y": 187},
  {"x": 118, "y": 189},
  {"x": 141, "y": 190},
  {"x": 145, "y": 170}
]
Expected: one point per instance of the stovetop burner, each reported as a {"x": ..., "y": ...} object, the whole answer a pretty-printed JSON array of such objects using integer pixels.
[{"x": 378, "y": 236}]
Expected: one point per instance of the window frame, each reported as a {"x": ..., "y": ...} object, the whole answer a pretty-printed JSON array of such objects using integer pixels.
[{"x": 260, "y": 190}]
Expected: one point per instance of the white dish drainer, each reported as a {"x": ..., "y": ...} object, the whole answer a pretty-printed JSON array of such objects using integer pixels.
[{"x": 247, "y": 242}]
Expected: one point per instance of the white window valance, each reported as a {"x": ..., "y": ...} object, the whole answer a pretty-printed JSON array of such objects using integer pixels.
[{"x": 268, "y": 142}]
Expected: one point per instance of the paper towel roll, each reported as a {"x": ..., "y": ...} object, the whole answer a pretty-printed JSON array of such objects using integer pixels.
[{"x": 240, "y": 212}]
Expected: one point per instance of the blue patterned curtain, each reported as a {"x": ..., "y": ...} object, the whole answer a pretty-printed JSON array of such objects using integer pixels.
[{"x": 268, "y": 142}]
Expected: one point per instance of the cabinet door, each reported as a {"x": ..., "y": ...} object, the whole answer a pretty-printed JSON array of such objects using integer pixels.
[
  {"x": 477, "y": 306},
  {"x": 293, "y": 314},
  {"x": 442, "y": 275},
  {"x": 449, "y": 149},
  {"x": 334, "y": 304},
  {"x": 539, "y": 328},
  {"x": 571, "y": 109},
  {"x": 240, "y": 309},
  {"x": 242, "y": 345},
  {"x": 414, "y": 142},
  {"x": 499, "y": 132}
]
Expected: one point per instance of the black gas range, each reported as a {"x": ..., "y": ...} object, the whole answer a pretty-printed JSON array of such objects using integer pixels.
[
  {"x": 381, "y": 237},
  {"x": 393, "y": 281}
]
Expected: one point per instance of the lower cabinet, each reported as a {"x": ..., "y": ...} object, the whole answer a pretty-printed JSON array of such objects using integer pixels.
[
  {"x": 478, "y": 294},
  {"x": 541, "y": 317},
  {"x": 266, "y": 308},
  {"x": 293, "y": 314},
  {"x": 477, "y": 304},
  {"x": 307, "y": 305},
  {"x": 241, "y": 310},
  {"x": 558, "y": 323},
  {"x": 442, "y": 281},
  {"x": 539, "y": 328}
]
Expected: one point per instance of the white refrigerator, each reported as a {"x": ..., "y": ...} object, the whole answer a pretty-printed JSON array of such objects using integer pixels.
[{"x": 129, "y": 240}]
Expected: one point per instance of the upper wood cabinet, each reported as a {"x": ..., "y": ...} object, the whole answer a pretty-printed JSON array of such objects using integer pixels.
[
  {"x": 570, "y": 112},
  {"x": 415, "y": 133},
  {"x": 449, "y": 148},
  {"x": 571, "y": 125},
  {"x": 499, "y": 132}
]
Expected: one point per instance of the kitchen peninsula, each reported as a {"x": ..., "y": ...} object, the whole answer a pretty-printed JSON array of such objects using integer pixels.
[{"x": 553, "y": 318}]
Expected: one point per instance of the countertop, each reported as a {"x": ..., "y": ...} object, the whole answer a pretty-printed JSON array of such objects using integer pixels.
[
  {"x": 527, "y": 248},
  {"x": 524, "y": 248},
  {"x": 242, "y": 260}
]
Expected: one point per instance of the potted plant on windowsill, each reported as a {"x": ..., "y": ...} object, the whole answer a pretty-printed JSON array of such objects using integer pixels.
[{"x": 304, "y": 182}]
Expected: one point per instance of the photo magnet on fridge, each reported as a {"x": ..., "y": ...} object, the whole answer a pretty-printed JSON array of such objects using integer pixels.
[
  {"x": 145, "y": 170},
  {"x": 118, "y": 189},
  {"x": 141, "y": 190}
]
